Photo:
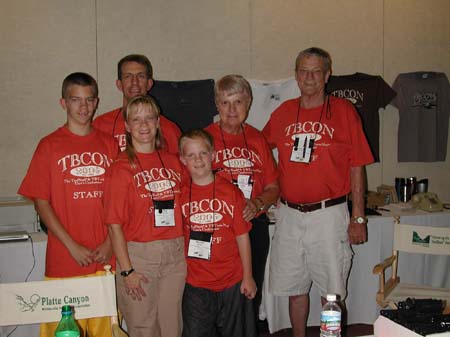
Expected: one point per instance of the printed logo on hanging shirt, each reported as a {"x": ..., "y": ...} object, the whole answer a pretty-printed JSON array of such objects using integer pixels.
[
  {"x": 275, "y": 97},
  {"x": 237, "y": 157},
  {"x": 353, "y": 95},
  {"x": 158, "y": 180},
  {"x": 427, "y": 100}
]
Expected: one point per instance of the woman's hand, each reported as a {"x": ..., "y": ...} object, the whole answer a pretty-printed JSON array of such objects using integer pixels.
[{"x": 133, "y": 285}]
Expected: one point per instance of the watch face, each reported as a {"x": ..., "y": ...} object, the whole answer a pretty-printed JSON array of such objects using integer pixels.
[{"x": 359, "y": 219}]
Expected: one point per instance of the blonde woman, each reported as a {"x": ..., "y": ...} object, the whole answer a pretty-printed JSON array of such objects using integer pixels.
[{"x": 144, "y": 220}]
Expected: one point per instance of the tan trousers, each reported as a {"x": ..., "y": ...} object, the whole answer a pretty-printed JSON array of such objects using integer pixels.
[{"x": 159, "y": 313}]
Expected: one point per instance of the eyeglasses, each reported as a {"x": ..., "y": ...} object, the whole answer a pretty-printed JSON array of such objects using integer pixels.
[
  {"x": 131, "y": 77},
  {"x": 308, "y": 72}
]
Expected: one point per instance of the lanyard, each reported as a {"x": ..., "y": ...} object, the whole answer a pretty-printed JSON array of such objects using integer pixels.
[
  {"x": 328, "y": 110},
  {"x": 246, "y": 146}
]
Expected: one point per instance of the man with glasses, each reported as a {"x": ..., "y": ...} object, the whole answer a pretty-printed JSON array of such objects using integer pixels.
[
  {"x": 134, "y": 78},
  {"x": 322, "y": 152}
]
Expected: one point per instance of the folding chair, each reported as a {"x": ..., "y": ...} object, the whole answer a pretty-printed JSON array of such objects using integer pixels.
[
  {"x": 41, "y": 302},
  {"x": 411, "y": 239}
]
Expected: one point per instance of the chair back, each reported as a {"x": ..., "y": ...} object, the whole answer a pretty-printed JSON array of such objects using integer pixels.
[
  {"x": 421, "y": 239},
  {"x": 40, "y": 302}
]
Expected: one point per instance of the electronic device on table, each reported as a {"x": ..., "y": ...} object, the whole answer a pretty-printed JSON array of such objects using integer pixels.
[{"x": 417, "y": 317}]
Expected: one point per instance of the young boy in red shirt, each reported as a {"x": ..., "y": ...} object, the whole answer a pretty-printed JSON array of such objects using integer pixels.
[
  {"x": 219, "y": 285},
  {"x": 65, "y": 180}
]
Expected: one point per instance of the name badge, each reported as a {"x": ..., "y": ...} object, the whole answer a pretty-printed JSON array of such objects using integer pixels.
[
  {"x": 164, "y": 213},
  {"x": 245, "y": 185},
  {"x": 303, "y": 148},
  {"x": 200, "y": 245}
]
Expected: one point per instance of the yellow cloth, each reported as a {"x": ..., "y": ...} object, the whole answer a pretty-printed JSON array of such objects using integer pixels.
[{"x": 94, "y": 327}]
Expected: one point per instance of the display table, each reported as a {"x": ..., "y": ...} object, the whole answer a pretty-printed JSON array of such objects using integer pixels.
[
  {"x": 362, "y": 284},
  {"x": 16, "y": 262}
]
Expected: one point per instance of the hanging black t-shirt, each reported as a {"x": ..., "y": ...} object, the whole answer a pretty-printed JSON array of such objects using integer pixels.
[
  {"x": 189, "y": 104},
  {"x": 368, "y": 93}
]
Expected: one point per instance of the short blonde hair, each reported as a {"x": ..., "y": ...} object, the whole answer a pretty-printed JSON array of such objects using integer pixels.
[
  {"x": 232, "y": 84},
  {"x": 196, "y": 134}
]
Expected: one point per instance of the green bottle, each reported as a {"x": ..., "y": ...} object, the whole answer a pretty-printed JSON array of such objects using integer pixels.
[{"x": 67, "y": 327}]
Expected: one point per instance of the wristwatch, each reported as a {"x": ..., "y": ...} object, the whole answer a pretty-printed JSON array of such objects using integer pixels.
[
  {"x": 359, "y": 219},
  {"x": 261, "y": 207},
  {"x": 126, "y": 273}
]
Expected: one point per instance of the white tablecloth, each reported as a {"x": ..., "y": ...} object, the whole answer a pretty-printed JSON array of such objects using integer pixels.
[
  {"x": 16, "y": 260},
  {"x": 362, "y": 284}
]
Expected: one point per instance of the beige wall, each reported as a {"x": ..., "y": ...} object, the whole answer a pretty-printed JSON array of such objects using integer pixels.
[{"x": 42, "y": 41}]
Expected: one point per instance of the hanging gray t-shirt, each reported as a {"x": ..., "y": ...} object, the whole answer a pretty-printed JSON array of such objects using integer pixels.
[{"x": 423, "y": 101}]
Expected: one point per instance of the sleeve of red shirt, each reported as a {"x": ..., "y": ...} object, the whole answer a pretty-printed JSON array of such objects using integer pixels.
[
  {"x": 115, "y": 197},
  {"x": 36, "y": 184},
  {"x": 171, "y": 133},
  {"x": 361, "y": 153},
  {"x": 270, "y": 129},
  {"x": 240, "y": 226},
  {"x": 270, "y": 167}
]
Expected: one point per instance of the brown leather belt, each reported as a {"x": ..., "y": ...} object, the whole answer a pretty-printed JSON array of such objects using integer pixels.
[{"x": 315, "y": 206}]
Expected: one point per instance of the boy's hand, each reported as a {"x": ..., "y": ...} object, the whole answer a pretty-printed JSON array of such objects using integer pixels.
[
  {"x": 103, "y": 253},
  {"x": 81, "y": 254},
  {"x": 133, "y": 286},
  {"x": 248, "y": 288}
]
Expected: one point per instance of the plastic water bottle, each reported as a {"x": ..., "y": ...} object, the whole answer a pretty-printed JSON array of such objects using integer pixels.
[
  {"x": 330, "y": 318},
  {"x": 67, "y": 327}
]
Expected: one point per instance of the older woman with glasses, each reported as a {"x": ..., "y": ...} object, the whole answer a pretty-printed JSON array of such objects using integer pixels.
[{"x": 243, "y": 156}]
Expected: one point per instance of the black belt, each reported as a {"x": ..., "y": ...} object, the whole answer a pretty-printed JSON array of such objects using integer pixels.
[{"x": 315, "y": 206}]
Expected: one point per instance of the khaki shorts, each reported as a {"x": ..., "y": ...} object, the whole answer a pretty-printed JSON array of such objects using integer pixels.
[{"x": 310, "y": 247}]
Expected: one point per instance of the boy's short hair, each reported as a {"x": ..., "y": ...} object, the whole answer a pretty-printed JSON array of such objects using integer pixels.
[
  {"x": 138, "y": 58},
  {"x": 196, "y": 134},
  {"x": 78, "y": 78}
]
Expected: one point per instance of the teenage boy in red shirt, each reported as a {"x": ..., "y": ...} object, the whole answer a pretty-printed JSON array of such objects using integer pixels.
[{"x": 65, "y": 180}]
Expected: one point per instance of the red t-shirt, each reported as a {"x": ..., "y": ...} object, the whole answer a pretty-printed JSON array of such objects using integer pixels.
[
  {"x": 130, "y": 193},
  {"x": 113, "y": 124},
  {"x": 245, "y": 154},
  {"x": 224, "y": 202},
  {"x": 68, "y": 171},
  {"x": 340, "y": 144}
]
